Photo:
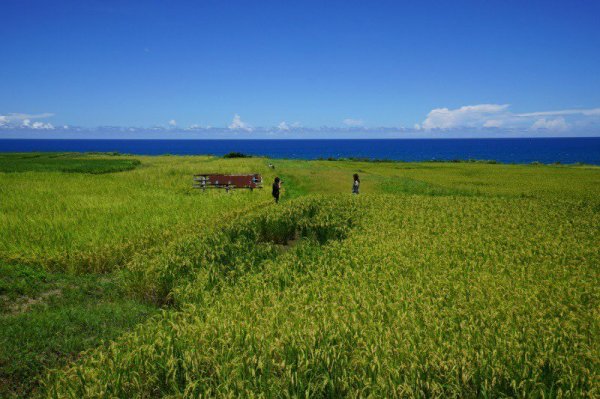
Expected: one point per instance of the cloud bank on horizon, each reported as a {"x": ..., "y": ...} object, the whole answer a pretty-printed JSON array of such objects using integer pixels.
[
  {"x": 26, "y": 121},
  {"x": 495, "y": 116},
  {"x": 482, "y": 119}
]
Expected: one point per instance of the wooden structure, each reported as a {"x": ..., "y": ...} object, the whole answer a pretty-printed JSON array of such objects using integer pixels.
[{"x": 228, "y": 182}]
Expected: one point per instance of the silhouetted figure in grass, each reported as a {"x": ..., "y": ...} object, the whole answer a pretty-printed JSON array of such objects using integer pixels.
[
  {"x": 276, "y": 189},
  {"x": 356, "y": 184}
]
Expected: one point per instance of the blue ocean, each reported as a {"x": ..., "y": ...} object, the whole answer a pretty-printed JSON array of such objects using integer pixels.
[{"x": 510, "y": 150}]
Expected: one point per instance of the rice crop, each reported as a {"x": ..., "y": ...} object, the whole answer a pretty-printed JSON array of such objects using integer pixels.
[
  {"x": 81, "y": 223},
  {"x": 414, "y": 296},
  {"x": 438, "y": 280}
]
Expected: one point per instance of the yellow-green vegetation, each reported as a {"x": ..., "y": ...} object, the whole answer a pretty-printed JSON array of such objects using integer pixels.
[
  {"x": 438, "y": 280},
  {"x": 80, "y": 222}
]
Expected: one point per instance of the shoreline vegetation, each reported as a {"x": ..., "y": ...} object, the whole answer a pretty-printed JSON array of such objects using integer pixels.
[
  {"x": 455, "y": 278},
  {"x": 40, "y": 157}
]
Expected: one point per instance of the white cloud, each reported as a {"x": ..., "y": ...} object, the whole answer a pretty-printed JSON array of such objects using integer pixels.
[
  {"x": 585, "y": 112},
  {"x": 352, "y": 122},
  {"x": 550, "y": 124},
  {"x": 15, "y": 120},
  {"x": 36, "y": 125},
  {"x": 196, "y": 126},
  {"x": 492, "y": 123},
  {"x": 19, "y": 116},
  {"x": 283, "y": 126},
  {"x": 466, "y": 116},
  {"x": 173, "y": 123},
  {"x": 238, "y": 124},
  {"x": 42, "y": 125},
  {"x": 483, "y": 116}
]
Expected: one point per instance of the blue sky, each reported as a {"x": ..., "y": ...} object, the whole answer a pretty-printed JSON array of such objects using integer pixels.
[{"x": 282, "y": 66}]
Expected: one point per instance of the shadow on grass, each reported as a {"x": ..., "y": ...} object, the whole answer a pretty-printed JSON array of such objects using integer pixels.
[{"x": 59, "y": 162}]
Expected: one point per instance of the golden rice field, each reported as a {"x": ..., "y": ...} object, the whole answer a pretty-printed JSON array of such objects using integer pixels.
[{"x": 438, "y": 280}]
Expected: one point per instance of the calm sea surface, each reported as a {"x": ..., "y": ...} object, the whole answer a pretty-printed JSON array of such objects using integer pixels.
[{"x": 524, "y": 150}]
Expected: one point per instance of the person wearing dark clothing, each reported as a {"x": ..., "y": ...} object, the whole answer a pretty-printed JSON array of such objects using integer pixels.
[
  {"x": 356, "y": 184},
  {"x": 276, "y": 189}
]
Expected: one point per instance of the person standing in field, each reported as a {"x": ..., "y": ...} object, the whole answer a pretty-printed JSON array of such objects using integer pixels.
[
  {"x": 276, "y": 189},
  {"x": 356, "y": 184}
]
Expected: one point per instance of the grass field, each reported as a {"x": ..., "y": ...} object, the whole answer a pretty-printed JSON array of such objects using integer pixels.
[{"x": 117, "y": 279}]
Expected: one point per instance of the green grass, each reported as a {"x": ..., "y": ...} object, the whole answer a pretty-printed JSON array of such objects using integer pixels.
[
  {"x": 67, "y": 162},
  {"x": 47, "y": 319},
  {"x": 439, "y": 280}
]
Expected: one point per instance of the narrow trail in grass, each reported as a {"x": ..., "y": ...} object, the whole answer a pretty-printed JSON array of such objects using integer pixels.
[{"x": 48, "y": 318}]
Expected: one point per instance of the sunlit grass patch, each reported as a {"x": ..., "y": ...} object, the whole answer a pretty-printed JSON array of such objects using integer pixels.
[{"x": 407, "y": 185}]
